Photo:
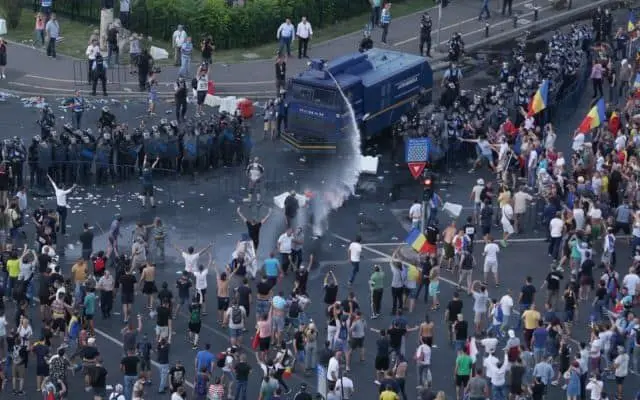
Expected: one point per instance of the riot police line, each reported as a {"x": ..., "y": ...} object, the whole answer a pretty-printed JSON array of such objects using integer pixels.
[
  {"x": 462, "y": 114},
  {"x": 114, "y": 153}
]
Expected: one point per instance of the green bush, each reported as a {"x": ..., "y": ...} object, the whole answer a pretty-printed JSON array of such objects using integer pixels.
[
  {"x": 232, "y": 27},
  {"x": 11, "y": 10}
]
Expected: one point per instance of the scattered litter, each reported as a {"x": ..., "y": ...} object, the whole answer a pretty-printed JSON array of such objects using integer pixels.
[
  {"x": 33, "y": 102},
  {"x": 394, "y": 238}
]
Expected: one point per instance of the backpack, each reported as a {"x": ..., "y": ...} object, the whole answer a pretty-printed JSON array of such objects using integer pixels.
[
  {"x": 499, "y": 313},
  {"x": 98, "y": 266},
  {"x": 612, "y": 286},
  {"x": 343, "y": 333},
  {"x": 15, "y": 355},
  {"x": 194, "y": 317},
  {"x": 236, "y": 315},
  {"x": 294, "y": 309},
  {"x": 221, "y": 360}
]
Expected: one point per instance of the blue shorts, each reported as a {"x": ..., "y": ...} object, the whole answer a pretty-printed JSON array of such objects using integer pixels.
[
  {"x": 277, "y": 322},
  {"x": 339, "y": 345},
  {"x": 235, "y": 333},
  {"x": 262, "y": 307},
  {"x": 412, "y": 293}
]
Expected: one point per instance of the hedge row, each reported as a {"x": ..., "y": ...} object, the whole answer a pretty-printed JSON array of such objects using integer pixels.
[{"x": 231, "y": 27}]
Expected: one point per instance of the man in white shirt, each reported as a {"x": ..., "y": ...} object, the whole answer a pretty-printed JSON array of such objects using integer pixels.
[
  {"x": 578, "y": 216},
  {"x": 578, "y": 142},
  {"x": 285, "y": 245},
  {"x": 490, "y": 253},
  {"x": 520, "y": 199},
  {"x": 191, "y": 257},
  {"x": 532, "y": 167},
  {"x": 333, "y": 369},
  {"x": 178, "y": 39},
  {"x": 92, "y": 51},
  {"x": 344, "y": 388},
  {"x": 507, "y": 224},
  {"x": 476, "y": 190},
  {"x": 22, "y": 199},
  {"x": 506, "y": 303},
  {"x": 415, "y": 214},
  {"x": 354, "y": 252},
  {"x": 556, "y": 229},
  {"x": 595, "y": 386},
  {"x": 201, "y": 274},
  {"x": 285, "y": 36},
  {"x": 631, "y": 282},
  {"x": 423, "y": 362},
  {"x": 304, "y": 33},
  {"x": 61, "y": 202}
]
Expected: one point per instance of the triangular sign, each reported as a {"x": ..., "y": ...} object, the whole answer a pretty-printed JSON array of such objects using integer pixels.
[{"x": 416, "y": 168}]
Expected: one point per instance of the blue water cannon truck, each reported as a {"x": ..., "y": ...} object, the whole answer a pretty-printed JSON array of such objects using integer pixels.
[{"x": 380, "y": 84}]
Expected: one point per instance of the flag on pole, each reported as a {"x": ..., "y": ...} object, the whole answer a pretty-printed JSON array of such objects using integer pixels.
[
  {"x": 614, "y": 123},
  {"x": 594, "y": 118},
  {"x": 539, "y": 100},
  {"x": 417, "y": 241},
  {"x": 631, "y": 22}
]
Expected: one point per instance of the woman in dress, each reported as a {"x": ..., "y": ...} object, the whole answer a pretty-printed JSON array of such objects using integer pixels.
[{"x": 572, "y": 377}]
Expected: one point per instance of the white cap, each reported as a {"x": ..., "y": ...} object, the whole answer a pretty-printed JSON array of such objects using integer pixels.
[
  {"x": 91, "y": 341},
  {"x": 511, "y": 333},
  {"x": 624, "y": 61},
  {"x": 480, "y": 181}
]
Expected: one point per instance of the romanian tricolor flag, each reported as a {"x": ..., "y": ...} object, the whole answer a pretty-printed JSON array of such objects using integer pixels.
[
  {"x": 539, "y": 99},
  {"x": 631, "y": 22},
  {"x": 594, "y": 118},
  {"x": 614, "y": 123},
  {"x": 417, "y": 241}
]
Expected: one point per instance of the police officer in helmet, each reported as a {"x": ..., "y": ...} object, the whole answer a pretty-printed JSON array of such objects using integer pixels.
[
  {"x": 425, "y": 33},
  {"x": 99, "y": 72}
]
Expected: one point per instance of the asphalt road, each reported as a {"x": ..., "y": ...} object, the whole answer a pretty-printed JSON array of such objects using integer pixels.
[
  {"x": 30, "y": 72},
  {"x": 199, "y": 213},
  {"x": 185, "y": 207}
]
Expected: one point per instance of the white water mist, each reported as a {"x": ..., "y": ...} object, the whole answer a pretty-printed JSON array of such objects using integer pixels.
[{"x": 342, "y": 178}]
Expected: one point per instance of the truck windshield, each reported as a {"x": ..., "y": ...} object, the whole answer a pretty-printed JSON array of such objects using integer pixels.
[{"x": 317, "y": 96}]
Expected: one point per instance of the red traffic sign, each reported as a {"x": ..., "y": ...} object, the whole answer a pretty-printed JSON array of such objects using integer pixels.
[{"x": 416, "y": 168}]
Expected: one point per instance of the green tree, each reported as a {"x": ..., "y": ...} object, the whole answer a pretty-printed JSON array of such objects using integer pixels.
[{"x": 11, "y": 10}]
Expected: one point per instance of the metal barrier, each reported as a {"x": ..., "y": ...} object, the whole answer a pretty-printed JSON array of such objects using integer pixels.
[{"x": 116, "y": 75}]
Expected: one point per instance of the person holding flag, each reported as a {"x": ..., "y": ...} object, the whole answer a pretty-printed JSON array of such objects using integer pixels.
[
  {"x": 595, "y": 117},
  {"x": 538, "y": 101}
]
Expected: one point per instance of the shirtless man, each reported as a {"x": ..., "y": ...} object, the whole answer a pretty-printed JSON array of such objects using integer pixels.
[
  {"x": 148, "y": 284},
  {"x": 426, "y": 331},
  {"x": 447, "y": 237},
  {"x": 222, "y": 280}
]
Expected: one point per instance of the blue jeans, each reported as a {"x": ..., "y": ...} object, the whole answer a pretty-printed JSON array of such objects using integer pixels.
[
  {"x": 285, "y": 42},
  {"x": 129, "y": 381},
  {"x": 354, "y": 271},
  {"x": 433, "y": 216},
  {"x": 498, "y": 392},
  {"x": 485, "y": 9},
  {"x": 185, "y": 61},
  {"x": 538, "y": 353},
  {"x": 241, "y": 390},
  {"x": 597, "y": 313},
  {"x": 164, "y": 374}
]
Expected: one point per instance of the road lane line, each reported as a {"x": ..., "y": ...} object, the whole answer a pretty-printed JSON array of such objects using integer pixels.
[{"x": 447, "y": 27}]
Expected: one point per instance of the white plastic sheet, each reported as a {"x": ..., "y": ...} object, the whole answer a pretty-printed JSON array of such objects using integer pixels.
[
  {"x": 452, "y": 209},
  {"x": 3, "y": 26},
  {"x": 158, "y": 53},
  {"x": 369, "y": 165},
  {"x": 279, "y": 200}
]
